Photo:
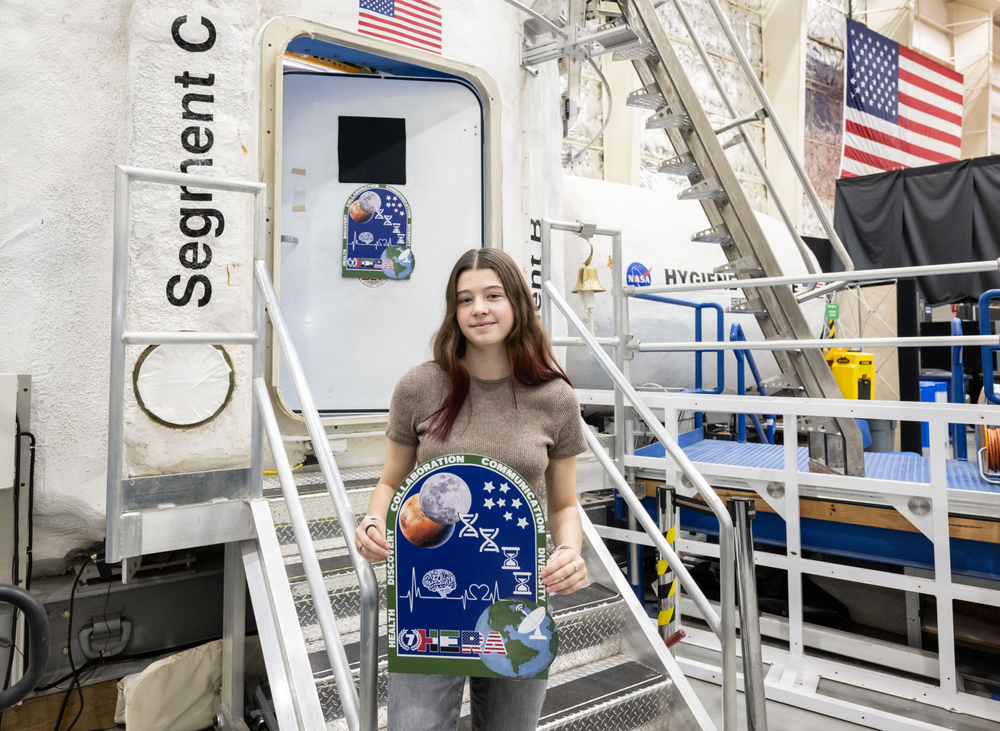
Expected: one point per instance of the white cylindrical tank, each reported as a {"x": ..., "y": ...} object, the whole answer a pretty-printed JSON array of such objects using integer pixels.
[{"x": 656, "y": 233}]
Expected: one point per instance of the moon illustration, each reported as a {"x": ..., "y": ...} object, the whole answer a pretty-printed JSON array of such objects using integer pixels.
[
  {"x": 444, "y": 497},
  {"x": 420, "y": 530},
  {"x": 365, "y": 206}
]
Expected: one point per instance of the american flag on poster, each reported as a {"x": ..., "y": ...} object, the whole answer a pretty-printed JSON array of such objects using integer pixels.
[
  {"x": 902, "y": 110},
  {"x": 413, "y": 23}
]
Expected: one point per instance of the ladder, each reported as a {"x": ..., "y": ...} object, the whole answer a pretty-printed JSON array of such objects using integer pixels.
[{"x": 638, "y": 35}]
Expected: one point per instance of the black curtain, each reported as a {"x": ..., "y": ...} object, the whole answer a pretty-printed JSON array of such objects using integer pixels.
[{"x": 938, "y": 214}]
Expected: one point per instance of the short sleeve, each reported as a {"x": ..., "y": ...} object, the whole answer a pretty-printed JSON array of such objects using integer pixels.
[
  {"x": 569, "y": 440},
  {"x": 402, "y": 425}
]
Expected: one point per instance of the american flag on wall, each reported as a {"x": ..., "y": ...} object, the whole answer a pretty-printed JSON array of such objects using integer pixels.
[
  {"x": 902, "y": 110},
  {"x": 413, "y": 23}
]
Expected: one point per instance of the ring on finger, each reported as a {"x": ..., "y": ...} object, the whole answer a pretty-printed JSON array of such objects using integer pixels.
[{"x": 369, "y": 526}]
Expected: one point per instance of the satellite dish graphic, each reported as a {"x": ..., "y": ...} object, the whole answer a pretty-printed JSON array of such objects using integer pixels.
[{"x": 533, "y": 622}]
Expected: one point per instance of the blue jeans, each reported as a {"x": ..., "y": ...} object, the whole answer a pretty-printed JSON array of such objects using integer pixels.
[{"x": 434, "y": 702}]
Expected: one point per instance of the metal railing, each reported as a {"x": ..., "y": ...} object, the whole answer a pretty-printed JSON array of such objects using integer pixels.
[
  {"x": 360, "y": 713},
  {"x": 786, "y": 145},
  {"x": 726, "y": 628},
  {"x": 365, "y": 717},
  {"x": 779, "y": 130}
]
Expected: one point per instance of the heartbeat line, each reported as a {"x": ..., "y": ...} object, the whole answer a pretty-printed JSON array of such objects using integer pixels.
[{"x": 465, "y": 597}]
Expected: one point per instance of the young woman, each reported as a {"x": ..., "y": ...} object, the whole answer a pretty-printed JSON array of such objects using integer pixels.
[{"x": 494, "y": 389}]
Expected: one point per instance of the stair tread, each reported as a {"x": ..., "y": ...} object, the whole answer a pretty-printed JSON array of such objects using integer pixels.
[
  {"x": 336, "y": 562},
  {"x": 593, "y": 689}
]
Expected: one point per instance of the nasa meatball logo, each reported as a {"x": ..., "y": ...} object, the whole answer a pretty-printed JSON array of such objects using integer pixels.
[
  {"x": 463, "y": 583},
  {"x": 638, "y": 275}
]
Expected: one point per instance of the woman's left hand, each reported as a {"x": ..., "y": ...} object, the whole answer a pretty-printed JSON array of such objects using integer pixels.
[{"x": 565, "y": 572}]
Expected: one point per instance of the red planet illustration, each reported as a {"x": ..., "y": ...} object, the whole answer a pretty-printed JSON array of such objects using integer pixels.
[{"x": 420, "y": 530}]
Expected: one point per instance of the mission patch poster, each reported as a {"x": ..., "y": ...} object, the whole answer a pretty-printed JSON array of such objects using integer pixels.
[
  {"x": 464, "y": 588},
  {"x": 377, "y": 225}
]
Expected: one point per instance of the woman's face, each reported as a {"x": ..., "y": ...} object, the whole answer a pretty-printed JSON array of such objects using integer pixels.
[{"x": 485, "y": 315}]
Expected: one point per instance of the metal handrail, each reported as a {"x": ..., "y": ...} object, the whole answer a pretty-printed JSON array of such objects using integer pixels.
[
  {"x": 671, "y": 557},
  {"x": 768, "y": 183},
  {"x": 786, "y": 144},
  {"x": 930, "y": 341},
  {"x": 727, "y": 571},
  {"x": 116, "y": 548},
  {"x": 858, "y": 275},
  {"x": 363, "y": 714},
  {"x": 744, "y": 358},
  {"x": 335, "y": 652}
]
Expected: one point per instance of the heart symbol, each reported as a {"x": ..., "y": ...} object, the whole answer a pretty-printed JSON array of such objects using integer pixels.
[{"x": 473, "y": 593}]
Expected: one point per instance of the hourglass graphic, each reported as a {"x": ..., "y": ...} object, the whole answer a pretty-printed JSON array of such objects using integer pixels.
[
  {"x": 510, "y": 552},
  {"x": 522, "y": 578}
]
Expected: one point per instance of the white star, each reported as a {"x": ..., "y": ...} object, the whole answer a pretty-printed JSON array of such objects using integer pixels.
[
  {"x": 489, "y": 487},
  {"x": 501, "y": 502},
  {"x": 505, "y": 488},
  {"x": 522, "y": 523},
  {"x": 507, "y": 516},
  {"x": 515, "y": 503},
  {"x": 488, "y": 503}
]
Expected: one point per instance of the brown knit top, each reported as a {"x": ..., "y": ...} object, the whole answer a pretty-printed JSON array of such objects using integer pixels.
[{"x": 523, "y": 427}]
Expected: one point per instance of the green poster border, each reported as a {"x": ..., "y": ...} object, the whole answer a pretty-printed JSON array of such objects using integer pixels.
[
  {"x": 355, "y": 273},
  {"x": 465, "y": 665}
]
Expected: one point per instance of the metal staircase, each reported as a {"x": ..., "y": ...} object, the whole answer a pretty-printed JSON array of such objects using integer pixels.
[
  {"x": 638, "y": 35},
  {"x": 319, "y": 606},
  {"x": 611, "y": 671}
]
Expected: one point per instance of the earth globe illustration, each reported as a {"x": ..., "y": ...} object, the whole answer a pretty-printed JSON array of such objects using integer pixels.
[
  {"x": 528, "y": 633},
  {"x": 400, "y": 260}
]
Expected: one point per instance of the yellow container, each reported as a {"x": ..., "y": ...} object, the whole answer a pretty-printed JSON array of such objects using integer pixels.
[{"x": 854, "y": 372}]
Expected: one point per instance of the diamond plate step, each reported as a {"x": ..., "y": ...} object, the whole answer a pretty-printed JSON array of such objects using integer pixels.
[
  {"x": 616, "y": 693},
  {"x": 324, "y": 527},
  {"x": 342, "y": 593}
]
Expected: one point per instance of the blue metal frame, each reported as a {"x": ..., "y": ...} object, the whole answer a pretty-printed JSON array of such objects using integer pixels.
[
  {"x": 736, "y": 334},
  {"x": 720, "y": 325},
  {"x": 959, "y": 446},
  {"x": 988, "y": 350}
]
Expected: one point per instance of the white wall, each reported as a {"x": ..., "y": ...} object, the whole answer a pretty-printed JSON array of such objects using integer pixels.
[{"x": 91, "y": 85}]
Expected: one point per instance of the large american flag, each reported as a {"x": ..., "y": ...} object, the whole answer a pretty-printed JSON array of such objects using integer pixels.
[
  {"x": 413, "y": 23},
  {"x": 902, "y": 110}
]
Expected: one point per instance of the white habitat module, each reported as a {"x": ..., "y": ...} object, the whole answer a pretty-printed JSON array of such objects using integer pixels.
[{"x": 656, "y": 233}]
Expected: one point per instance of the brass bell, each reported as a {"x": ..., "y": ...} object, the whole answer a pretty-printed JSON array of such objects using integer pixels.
[{"x": 586, "y": 278}]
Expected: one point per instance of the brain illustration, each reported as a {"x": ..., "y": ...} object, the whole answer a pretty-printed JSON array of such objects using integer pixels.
[
  {"x": 365, "y": 237},
  {"x": 440, "y": 581}
]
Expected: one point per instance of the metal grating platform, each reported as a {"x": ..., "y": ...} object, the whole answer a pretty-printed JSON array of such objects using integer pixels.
[{"x": 903, "y": 466}]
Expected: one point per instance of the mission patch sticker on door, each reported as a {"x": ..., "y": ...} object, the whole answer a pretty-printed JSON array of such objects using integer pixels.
[
  {"x": 377, "y": 224},
  {"x": 463, "y": 583}
]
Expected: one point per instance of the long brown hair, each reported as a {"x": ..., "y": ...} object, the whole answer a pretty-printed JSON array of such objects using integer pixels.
[{"x": 528, "y": 349}]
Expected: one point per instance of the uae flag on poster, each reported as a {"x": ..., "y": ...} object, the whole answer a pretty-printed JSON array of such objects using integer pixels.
[
  {"x": 413, "y": 23},
  {"x": 903, "y": 110}
]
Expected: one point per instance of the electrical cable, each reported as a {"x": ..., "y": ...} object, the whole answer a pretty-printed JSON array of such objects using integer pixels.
[
  {"x": 69, "y": 653},
  {"x": 607, "y": 117}
]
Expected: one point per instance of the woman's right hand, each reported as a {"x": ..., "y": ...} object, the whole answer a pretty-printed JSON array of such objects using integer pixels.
[{"x": 369, "y": 539}]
